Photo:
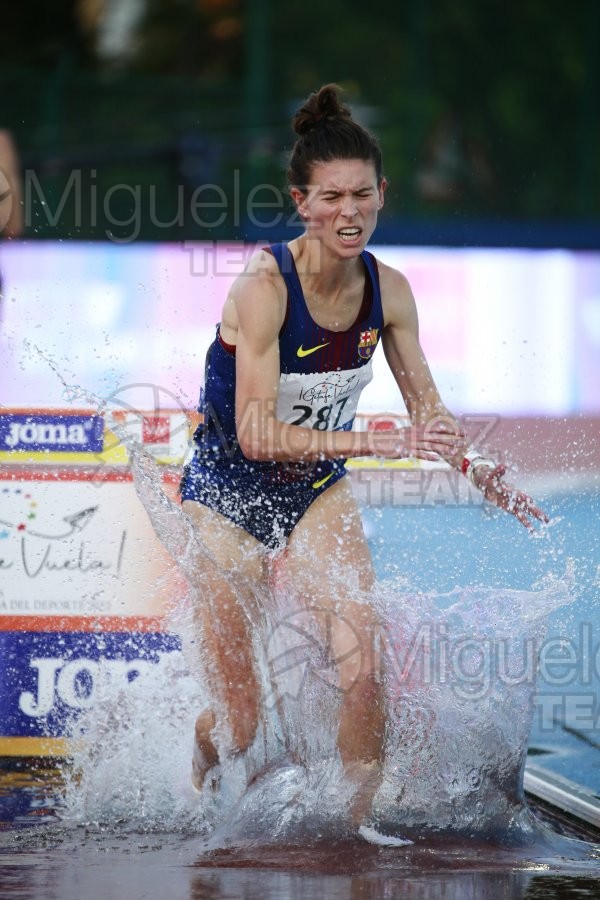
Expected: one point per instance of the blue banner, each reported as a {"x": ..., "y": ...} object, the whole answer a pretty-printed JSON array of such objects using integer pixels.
[
  {"x": 53, "y": 433},
  {"x": 47, "y": 679}
]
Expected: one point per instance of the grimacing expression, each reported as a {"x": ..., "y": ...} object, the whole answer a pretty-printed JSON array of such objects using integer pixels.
[{"x": 341, "y": 204}]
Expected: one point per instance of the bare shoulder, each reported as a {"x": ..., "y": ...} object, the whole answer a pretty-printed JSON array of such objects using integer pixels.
[
  {"x": 262, "y": 268},
  {"x": 256, "y": 299},
  {"x": 397, "y": 298}
]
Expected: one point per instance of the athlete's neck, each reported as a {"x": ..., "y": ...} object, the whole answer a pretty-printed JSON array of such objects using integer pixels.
[{"x": 323, "y": 275}]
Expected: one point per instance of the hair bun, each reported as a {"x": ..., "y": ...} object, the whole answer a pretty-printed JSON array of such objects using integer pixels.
[{"x": 321, "y": 106}]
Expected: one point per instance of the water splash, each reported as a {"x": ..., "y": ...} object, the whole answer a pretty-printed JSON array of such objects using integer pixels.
[{"x": 459, "y": 674}]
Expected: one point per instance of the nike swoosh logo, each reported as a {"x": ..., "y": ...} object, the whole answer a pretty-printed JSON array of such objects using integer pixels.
[
  {"x": 302, "y": 352},
  {"x": 321, "y": 482}
]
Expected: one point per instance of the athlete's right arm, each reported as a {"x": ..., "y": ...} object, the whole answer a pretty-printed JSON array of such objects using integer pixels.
[{"x": 254, "y": 312}]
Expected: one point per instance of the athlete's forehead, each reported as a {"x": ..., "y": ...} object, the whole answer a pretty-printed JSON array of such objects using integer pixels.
[{"x": 342, "y": 175}]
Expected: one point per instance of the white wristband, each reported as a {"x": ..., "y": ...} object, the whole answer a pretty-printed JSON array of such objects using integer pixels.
[{"x": 472, "y": 461}]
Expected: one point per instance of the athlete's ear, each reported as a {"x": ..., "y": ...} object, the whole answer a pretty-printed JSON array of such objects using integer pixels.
[
  {"x": 382, "y": 186},
  {"x": 299, "y": 198}
]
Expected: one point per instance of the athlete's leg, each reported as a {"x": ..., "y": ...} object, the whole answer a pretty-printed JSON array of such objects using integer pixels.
[
  {"x": 226, "y": 577},
  {"x": 328, "y": 559}
]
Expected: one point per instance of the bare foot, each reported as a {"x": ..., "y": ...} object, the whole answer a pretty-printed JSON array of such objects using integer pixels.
[{"x": 205, "y": 755}]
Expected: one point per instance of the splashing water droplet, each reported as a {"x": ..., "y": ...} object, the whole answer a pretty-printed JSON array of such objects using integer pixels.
[{"x": 457, "y": 725}]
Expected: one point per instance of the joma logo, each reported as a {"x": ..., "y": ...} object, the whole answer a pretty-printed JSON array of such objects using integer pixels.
[{"x": 39, "y": 433}]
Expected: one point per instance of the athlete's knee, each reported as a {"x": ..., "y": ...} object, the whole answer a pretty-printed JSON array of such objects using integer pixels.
[
  {"x": 356, "y": 642},
  {"x": 244, "y": 727},
  {"x": 365, "y": 688}
]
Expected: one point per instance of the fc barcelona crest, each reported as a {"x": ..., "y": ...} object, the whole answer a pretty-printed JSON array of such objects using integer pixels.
[{"x": 368, "y": 342}]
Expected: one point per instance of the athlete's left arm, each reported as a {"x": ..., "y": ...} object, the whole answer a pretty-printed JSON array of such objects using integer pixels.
[{"x": 405, "y": 357}]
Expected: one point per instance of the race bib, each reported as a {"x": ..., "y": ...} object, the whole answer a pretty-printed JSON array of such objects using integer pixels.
[{"x": 326, "y": 401}]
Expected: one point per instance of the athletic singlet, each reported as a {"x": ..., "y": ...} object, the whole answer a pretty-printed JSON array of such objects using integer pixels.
[
  {"x": 322, "y": 372},
  {"x": 322, "y": 375}
]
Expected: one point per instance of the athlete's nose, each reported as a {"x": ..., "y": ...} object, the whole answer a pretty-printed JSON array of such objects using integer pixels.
[{"x": 349, "y": 207}]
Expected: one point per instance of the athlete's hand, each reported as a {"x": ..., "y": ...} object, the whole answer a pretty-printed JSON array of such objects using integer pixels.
[
  {"x": 506, "y": 496},
  {"x": 436, "y": 440}
]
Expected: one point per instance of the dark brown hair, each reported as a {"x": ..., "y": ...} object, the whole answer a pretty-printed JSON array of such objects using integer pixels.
[{"x": 327, "y": 131}]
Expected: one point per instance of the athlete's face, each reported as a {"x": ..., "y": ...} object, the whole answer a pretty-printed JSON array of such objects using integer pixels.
[{"x": 341, "y": 204}]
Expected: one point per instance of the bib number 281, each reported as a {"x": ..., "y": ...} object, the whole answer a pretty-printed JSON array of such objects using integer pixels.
[{"x": 323, "y": 415}]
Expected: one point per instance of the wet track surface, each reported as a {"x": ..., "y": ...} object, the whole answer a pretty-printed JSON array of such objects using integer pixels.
[{"x": 43, "y": 856}]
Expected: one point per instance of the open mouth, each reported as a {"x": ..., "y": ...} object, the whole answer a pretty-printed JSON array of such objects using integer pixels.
[{"x": 349, "y": 234}]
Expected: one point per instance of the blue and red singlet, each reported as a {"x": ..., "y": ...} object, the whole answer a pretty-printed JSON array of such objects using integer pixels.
[{"x": 322, "y": 375}]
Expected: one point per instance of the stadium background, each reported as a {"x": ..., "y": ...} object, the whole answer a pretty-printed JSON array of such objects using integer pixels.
[
  {"x": 152, "y": 139},
  {"x": 488, "y": 120}
]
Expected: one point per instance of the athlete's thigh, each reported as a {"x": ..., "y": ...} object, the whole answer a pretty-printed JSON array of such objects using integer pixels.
[
  {"x": 329, "y": 566},
  {"x": 328, "y": 545},
  {"x": 230, "y": 549},
  {"x": 229, "y": 571},
  {"x": 228, "y": 576}
]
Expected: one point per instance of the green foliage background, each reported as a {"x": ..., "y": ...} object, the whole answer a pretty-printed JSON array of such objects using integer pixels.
[{"x": 485, "y": 109}]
